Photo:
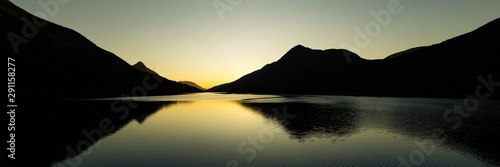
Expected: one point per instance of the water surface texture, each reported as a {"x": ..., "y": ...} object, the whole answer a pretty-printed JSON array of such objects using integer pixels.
[{"x": 210, "y": 129}]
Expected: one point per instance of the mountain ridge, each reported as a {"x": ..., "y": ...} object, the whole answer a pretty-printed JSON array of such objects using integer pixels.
[
  {"x": 75, "y": 66},
  {"x": 193, "y": 84},
  {"x": 446, "y": 69},
  {"x": 143, "y": 68}
]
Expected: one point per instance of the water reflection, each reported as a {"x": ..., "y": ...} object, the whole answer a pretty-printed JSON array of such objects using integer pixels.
[
  {"x": 174, "y": 133},
  {"x": 416, "y": 119},
  {"x": 53, "y": 131},
  {"x": 311, "y": 120}
]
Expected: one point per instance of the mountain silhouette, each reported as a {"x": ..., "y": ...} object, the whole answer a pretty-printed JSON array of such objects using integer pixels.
[
  {"x": 142, "y": 67},
  {"x": 190, "y": 83},
  {"x": 447, "y": 69},
  {"x": 54, "y": 61}
]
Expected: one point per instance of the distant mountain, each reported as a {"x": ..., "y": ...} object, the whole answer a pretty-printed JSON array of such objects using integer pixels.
[
  {"x": 448, "y": 69},
  {"x": 192, "y": 84},
  {"x": 54, "y": 61},
  {"x": 141, "y": 67}
]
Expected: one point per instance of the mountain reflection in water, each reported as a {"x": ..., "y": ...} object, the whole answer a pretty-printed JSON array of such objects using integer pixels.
[{"x": 358, "y": 130}]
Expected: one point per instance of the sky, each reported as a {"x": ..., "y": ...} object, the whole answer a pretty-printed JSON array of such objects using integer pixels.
[{"x": 212, "y": 42}]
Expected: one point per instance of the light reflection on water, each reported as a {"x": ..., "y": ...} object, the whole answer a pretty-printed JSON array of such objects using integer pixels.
[{"x": 327, "y": 131}]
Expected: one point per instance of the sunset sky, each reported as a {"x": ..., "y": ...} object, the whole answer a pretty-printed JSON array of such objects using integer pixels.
[{"x": 190, "y": 40}]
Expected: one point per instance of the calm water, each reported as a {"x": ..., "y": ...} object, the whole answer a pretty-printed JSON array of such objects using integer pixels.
[{"x": 270, "y": 130}]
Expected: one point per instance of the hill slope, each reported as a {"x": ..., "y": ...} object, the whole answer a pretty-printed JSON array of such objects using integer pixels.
[
  {"x": 192, "y": 84},
  {"x": 54, "y": 61},
  {"x": 142, "y": 67}
]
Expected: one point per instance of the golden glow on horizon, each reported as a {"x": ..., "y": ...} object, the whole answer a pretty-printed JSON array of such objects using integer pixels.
[{"x": 187, "y": 41}]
